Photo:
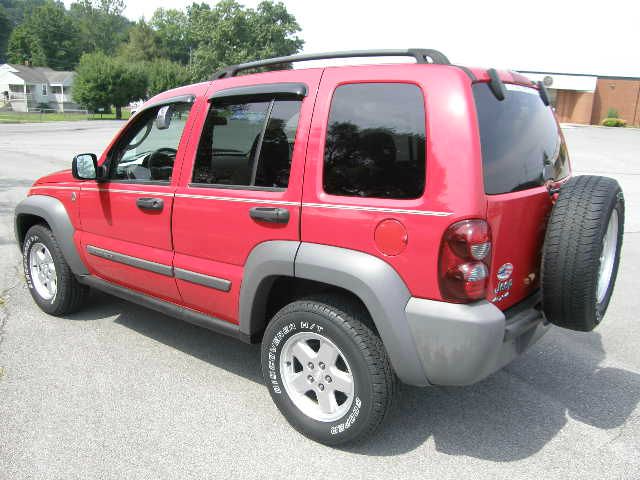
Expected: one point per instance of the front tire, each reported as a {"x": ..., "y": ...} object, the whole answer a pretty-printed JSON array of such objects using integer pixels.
[
  {"x": 51, "y": 282},
  {"x": 327, "y": 371}
]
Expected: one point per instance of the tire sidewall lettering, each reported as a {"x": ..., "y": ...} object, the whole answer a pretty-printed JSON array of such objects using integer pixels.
[
  {"x": 26, "y": 250},
  {"x": 272, "y": 360}
]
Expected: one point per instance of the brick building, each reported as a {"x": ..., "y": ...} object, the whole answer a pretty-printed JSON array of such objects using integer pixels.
[{"x": 580, "y": 98}]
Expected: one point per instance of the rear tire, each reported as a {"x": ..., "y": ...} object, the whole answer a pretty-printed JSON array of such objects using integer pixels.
[
  {"x": 582, "y": 252},
  {"x": 301, "y": 381},
  {"x": 51, "y": 282}
]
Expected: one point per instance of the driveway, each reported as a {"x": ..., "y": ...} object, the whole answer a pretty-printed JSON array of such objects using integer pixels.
[{"x": 117, "y": 391}]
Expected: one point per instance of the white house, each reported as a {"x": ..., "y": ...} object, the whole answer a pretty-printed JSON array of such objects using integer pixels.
[{"x": 26, "y": 89}]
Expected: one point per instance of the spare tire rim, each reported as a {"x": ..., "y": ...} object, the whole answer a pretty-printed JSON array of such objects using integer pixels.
[
  {"x": 316, "y": 376},
  {"x": 608, "y": 256},
  {"x": 43, "y": 271}
]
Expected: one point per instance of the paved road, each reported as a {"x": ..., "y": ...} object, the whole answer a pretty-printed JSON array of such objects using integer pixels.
[{"x": 118, "y": 391}]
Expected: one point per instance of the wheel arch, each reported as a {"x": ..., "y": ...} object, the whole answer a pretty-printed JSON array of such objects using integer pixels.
[
  {"x": 368, "y": 278},
  {"x": 50, "y": 211}
]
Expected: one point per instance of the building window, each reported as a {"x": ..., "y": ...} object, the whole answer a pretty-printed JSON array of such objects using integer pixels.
[
  {"x": 56, "y": 89},
  {"x": 44, "y": 89}
]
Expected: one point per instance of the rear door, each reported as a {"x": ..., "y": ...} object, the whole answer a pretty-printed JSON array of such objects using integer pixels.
[
  {"x": 522, "y": 148},
  {"x": 241, "y": 184}
]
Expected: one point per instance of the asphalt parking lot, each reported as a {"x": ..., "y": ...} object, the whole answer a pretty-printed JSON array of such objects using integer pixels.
[{"x": 117, "y": 391}]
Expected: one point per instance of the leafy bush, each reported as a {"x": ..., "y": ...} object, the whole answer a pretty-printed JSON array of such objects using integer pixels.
[
  {"x": 614, "y": 122},
  {"x": 612, "y": 113},
  {"x": 102, "y": 81}
]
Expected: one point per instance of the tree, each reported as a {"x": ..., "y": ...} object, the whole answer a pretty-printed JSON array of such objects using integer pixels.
[
  {"x": 102, "y": 81},
  {"x": 18, "y": 10},
  {"x": 101, "y": 23},
  {"x": 24, "y": 47},
  {"x": 143, "y": 44},
  {"x": 52, "y": 31},
  {"x": 164, "y": 74},
  {"x": 173, "y": 33},
  {"x": 229, "y": 33},
  {"x": 5, "y": 30},
  {"x": 47, "y": 37}
]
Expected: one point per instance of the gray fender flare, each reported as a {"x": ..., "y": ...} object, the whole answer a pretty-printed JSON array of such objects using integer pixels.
[
  {"x": 371, "y": 279},
  {"x": 266, "y": 262},
  {"x": 381, "y": 290},
  {"x": 52, "y": 211}
]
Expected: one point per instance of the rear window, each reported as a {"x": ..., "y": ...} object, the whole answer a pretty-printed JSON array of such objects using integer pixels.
[
  {"x": 519, "y": 136},
  {"x": 375, "y": 141}
]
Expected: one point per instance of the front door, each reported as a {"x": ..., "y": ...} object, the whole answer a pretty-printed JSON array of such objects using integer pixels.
[
  {"x": 243, "y": 184},
  {"x": 126, "y": 221}
]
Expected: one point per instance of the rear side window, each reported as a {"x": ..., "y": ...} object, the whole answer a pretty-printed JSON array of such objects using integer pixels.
[
  {"x": 247, "y": 144},
  {"x": 375, "y": 143},
  {"x": 519, "y": 136}
]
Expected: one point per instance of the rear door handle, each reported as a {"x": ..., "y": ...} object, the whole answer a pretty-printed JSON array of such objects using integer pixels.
[
  {"x": 270, "y": 214},
  {"x": 150, "y": 203}
]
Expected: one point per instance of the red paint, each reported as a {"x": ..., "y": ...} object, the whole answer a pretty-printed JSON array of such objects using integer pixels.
[
  {"x": 391, "y": 237},
  {"x": 518, "y": 222},
  {"x": 208, "y": 230}
]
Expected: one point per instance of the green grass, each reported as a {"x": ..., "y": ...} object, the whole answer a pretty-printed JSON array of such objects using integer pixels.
[{"x": 16, "y": 117}]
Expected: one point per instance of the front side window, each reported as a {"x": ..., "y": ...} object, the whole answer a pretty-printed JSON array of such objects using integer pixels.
[
  {"x": 147, "y": 150},
  {"x": 519, "y": 137},
  {"x": 44, "y": 89},
  {"x": 247, "y": 144},
  {"x": 375, "y": 144}
]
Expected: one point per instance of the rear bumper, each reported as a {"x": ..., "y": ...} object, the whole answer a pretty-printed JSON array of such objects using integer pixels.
[{"x": 462, "y": 344}]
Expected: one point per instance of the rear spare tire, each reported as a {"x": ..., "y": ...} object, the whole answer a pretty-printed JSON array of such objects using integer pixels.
[{"x": 582, "y": 252}]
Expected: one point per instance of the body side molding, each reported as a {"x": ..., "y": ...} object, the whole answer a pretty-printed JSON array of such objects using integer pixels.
[
  {"x": 51, "y": 210},
  {"x": 202, "y": 279},
  {"x": 154, "y": 267}
]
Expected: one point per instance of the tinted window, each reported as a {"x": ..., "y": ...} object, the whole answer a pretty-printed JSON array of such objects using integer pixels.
[
  {"x": 248, "y": 144},
  {"x": 146, "y": 151},
  {"x": 376, "y": 141},
  {"x": 519, "y": 135}
]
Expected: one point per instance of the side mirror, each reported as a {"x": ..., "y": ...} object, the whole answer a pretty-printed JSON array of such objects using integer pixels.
[
  {"x": 85, "y": 166},
  {"x": 163, "y": 117}
]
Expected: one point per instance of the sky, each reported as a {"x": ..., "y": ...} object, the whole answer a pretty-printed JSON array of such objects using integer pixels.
[{"x": 562, "y": 36}]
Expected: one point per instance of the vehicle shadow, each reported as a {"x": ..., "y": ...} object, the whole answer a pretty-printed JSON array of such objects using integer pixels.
[
  {"x": 216, "y": 349},
  {"x": 517, "y": 411},
  {"x": 507, "y": 417}
]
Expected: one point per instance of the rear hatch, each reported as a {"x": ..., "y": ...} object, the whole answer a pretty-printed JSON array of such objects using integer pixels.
[{"x": 522, "y": 148}]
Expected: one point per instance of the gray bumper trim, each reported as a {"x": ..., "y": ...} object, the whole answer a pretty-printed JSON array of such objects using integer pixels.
[{"x": 462, "y": 344}]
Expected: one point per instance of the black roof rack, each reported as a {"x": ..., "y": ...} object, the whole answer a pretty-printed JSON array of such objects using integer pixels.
[{"x": 421, "y": 55}]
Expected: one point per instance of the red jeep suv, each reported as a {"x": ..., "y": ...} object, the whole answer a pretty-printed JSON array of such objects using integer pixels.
[{"x": 364, "y": 223}]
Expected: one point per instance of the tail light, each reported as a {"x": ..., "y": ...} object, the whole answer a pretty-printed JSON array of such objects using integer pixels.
[{"x": 465, "y": 256}]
